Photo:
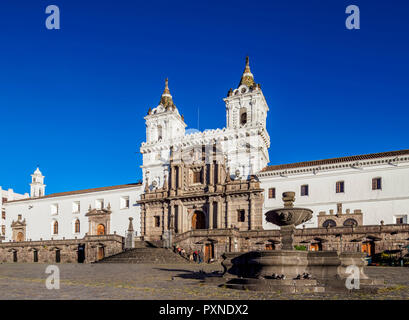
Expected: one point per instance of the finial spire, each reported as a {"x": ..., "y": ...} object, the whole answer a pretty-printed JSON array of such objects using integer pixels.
[
  {"x": 247, "y": 78},
  {"x": 166, "y": 91},
  {"x": 166, "y": 99}
]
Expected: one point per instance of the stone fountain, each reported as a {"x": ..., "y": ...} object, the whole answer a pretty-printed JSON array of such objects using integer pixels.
[{"x": 290, "y": 270}]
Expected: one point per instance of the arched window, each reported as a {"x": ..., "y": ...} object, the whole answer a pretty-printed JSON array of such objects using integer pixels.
[
  {"x": 100, "y": 230},
  {"x": 243, "y": 116},
  {"x": 20, "y": 237},
  {"x": 77, "y": 226},
  {"x": 350, "y": 222},
  {"x": 55, "y": 227},
  {"x": 329, "y": 223}
]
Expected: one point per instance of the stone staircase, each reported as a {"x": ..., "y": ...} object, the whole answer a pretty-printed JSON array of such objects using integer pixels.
[{"x": 146, "y": 253}]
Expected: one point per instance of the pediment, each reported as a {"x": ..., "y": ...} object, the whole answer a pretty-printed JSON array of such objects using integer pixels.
[
  {"x": 18, "y": 223},
  {"x": 98, "y": 212}
]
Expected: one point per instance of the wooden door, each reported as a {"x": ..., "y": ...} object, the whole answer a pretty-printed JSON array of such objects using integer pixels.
[
  {"x": 269, "y": 246},
  {"x": 314, "y": 247},
  {"x": 209, "y": 253},
  {"x": 101, "y": 253},
  {"x": 198, "y": 220}
]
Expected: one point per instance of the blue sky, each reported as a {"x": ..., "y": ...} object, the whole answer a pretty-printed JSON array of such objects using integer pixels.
[{"x": 73, "y": 100}]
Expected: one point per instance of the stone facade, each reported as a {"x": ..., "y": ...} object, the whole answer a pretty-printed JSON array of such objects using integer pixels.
[
  {"x": 18, "y": 229},
  {"x": 99, "y": 221},
  {"x": 89, "y": 249},
  {"x": 348, "y": 218},
  {"x": 200, "y": 194},
  {"x": 342, "y": 239}
]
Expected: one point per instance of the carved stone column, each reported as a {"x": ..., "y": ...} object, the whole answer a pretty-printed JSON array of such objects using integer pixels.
[
  {"x": 143, "y": 220},
  {"x": 251, "y": 211},
  {"x": 219, "y": 213},
  {"x": 165, "y": 213},
  {"x": 210, "y": 211},
  {"x": 172, "y": 216},
  {"x": 227, "y": 215},
  {"x": 179, "y": 176},
  {"x": 172, "y": 178},
  {"x": 180, "y": 218},
  {"x": 211, "y": 173}
]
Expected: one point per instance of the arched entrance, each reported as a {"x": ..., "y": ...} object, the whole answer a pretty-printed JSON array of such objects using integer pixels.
[
  {"x": 57, "y": 255},
  {"x": 100, "y": 253},
  {"x": 368, "y": 247},
  {"x": 81, "y": 253},
  {"x": 20, "y": 236},
  {"x": 198, "y": 220},
  {"x": 100, "y": 230},
  {"x": 209, "y": 252}
]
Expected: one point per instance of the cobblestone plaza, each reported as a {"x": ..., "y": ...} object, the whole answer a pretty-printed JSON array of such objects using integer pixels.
[{"x": 162, "y": 282}]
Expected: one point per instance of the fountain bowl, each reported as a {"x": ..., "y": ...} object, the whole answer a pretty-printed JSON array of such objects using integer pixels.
[{"x": 288, "y": 216}]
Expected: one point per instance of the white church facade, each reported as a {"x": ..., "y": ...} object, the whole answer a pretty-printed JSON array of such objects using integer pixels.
[{"x": 372, "y": 188}]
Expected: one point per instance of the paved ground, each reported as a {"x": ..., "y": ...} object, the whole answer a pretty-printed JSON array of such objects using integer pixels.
[{"x": 126, "y": 281}]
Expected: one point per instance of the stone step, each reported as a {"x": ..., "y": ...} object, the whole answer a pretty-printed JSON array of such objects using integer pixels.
[{"x": 146, "y": 253}]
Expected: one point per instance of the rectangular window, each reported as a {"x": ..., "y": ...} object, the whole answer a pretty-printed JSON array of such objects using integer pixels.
[
  {"x": 197, "y": 177},
  {"x": 376, "y": 184},
  {"x": 340, "y": 187},
  {"x": 157, "y": 221},
  {"x": 124, "y": 203},
  {"x": 3, "y": 214},
  {"x": 304, "y": 190},
  {"x": 3, "y": 230},
  {"x": 99, "y": 204},
  {"x": 401, "y": 219},
  {"x": 241, "y": 215},
  {"x": 54, "y": 209},
  {"x": 271, "y": 193},
  {"x": 76, "y": 207}
]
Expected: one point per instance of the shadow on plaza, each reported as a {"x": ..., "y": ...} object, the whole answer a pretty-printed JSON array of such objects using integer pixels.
[{"x": 193, "y": 275}]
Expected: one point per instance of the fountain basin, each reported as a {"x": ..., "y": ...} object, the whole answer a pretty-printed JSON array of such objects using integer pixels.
[{"x": 288, "y": 216}]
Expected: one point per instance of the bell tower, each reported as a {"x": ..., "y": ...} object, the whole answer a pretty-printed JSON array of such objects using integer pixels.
[
  {"x": 246, "y": 115},
  {"x": 164, "y": 122},
  {"x": 164, "y": 127},
  {"x": 246, "y": 105},
  {"x": 37, "y": 186}
]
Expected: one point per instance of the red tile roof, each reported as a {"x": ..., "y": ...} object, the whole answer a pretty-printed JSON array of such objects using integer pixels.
[
  {"x": 335, "y": 160},
  {"x": 68, "y": 193}
]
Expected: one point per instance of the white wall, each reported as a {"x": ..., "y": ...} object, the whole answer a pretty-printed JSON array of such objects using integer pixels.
[
  {"x": 39, "y": 218},
  {"x": 376, "y": 205}
]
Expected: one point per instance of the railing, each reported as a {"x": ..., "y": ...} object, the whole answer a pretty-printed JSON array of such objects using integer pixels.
[{"x": 299, "y": 232}]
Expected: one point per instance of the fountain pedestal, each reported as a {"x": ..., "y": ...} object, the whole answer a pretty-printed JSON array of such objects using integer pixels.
[
  {"x": 291, "y": 270},
  {"x": 287, "y": 237}
]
